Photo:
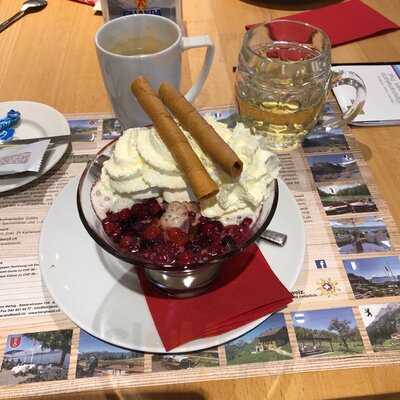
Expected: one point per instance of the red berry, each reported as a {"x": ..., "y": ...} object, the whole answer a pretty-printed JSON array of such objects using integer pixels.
[
  {"x": 177, "y": 236},
  {"x": 154, "y": 208},
  {"x": 139, "y": 212},
  {"x": 125, "y": 241},
  {"x": 194, "y": 246},
  {"x": 129, "y": 243},
  {"x": 111, "y": 217},
  {"x": 245, "y": 232},
  {"x": 209, "y": 229},
  {"x": 107, "y": 219},
  {"x": 246, "y": 222},
  {"x": 239, "y": 233},
  {"x": 185, "y": 258},
  {"x": 203, "y": 256},
  {"x": 149, "y": 255},
  {"x": 232, "y": 230},
  {"x": 218, "y": 226},
  {"x": 204, "y": 220},
  {"x": 112, "y": 229},
  {"x": 145, "y": 254},
  {"x": 151, "y": 232},
  {"x": 204, "y": 241},
  {"x": 165, "y": 254},
  {"x": 138, "y": 227},
  {"x": 124, "y": 215}
]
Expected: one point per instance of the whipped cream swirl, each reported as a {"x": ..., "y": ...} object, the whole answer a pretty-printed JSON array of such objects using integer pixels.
[{"x": 142, "y": 167}]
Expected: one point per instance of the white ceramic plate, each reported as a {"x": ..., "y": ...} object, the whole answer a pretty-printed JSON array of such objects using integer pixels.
[
  {"x": 95, "y": 291},
  {"x": 37, "y": 120}
]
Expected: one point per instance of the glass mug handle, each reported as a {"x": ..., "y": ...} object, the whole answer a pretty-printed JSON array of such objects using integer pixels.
[
  {"x": 194, "y": 42},
  {"x": 347, "y": 78}
]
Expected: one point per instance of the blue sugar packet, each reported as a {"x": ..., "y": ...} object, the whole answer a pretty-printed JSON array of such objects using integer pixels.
[
  {"x": 6, "y": 124},
  {"x": 7, "y": 134}
]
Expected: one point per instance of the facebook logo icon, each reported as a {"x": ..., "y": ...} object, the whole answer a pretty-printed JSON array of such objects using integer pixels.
[{"x": 320, "y": 264}]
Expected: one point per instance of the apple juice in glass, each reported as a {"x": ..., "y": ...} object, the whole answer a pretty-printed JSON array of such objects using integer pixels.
[{"x": 283, "y": 78}]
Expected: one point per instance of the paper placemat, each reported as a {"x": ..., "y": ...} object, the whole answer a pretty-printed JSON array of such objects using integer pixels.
[{"x": 346, "y": 312}]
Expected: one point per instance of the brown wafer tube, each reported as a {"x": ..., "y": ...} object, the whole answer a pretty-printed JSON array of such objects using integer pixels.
[
  {"x": 204, "y": 134},
  {"x": 190, "y": 165}
]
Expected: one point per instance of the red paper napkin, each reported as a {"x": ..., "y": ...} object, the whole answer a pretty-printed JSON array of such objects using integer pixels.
[
  {"x": 246, "y": 289},
  {"x": 346, "y": 22},
  {"x": 90, "y": 2}
]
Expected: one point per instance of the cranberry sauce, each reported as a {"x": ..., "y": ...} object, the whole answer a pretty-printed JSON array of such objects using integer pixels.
[{"x": 172, "y": 233}]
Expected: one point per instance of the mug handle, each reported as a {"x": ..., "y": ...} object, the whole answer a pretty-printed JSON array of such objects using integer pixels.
[
  {"x": 350, "y": 79},
  {"x": 191, "y": 43}
]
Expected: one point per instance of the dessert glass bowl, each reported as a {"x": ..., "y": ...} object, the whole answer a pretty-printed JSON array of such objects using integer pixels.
[{"x": 173, "y": 280}]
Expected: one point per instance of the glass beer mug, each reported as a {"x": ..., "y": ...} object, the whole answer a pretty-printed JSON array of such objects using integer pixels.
[{"x": 283, "y": 78}]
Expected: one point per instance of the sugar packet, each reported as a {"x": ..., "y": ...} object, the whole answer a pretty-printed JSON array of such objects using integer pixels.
[{"x": 22, "y": 158}]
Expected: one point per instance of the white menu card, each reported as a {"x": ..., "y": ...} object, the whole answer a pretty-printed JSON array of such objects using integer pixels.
[{"x": 382, "y": 105}]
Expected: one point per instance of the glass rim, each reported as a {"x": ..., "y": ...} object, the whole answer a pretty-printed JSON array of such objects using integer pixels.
[
  {"x": 300, "y": 23},
  {"x": 140, "y": 262}
]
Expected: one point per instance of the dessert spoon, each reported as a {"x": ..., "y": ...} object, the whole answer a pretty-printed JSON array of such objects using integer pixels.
[
  {"x": 277, "y": 238},
  {"x": 27, "y": 7}
]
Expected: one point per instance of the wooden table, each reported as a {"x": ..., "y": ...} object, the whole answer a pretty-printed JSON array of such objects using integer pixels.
[{"x": 50, "y": 57}]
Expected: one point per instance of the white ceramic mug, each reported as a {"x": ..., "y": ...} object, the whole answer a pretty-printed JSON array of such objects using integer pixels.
[{"x": 119, "y": 70}]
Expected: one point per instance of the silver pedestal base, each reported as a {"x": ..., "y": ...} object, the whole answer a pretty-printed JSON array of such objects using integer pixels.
[{"x": 185, "y": 283}]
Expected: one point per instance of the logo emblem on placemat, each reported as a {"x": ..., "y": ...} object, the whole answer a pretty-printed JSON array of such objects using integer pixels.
[
  {"x": 15, "y": 341},
  {"x": 328, "y": 287}
]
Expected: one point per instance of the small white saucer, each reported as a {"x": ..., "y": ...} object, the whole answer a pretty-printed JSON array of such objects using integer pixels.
[
  {"x": 37, "y": 120},
  {"x": 95, "y": 291}
]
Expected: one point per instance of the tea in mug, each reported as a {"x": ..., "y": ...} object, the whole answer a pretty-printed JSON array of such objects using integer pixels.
[{"x": 138, "y": 46}]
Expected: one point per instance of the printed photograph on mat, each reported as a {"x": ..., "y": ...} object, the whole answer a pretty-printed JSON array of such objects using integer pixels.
[
  {"x": 334, "y": 167},
  {"x": 331, "y": 332},
  {"x": 382, "y": 322},
  {"x": 319, "y": 140},
  {"x": 346, "y": 198},
  {"x": 269, "y": 341},
  {"x": 36, "y": 357},
  {"x": 111, "y": 128},
  {"x": 374, "y": 277},
  {"x": 98, "y": 358},
  {"x": 361, "y": 235},
  {"x": 84, "y": 127},
  {"x": 167, "y": 362}
]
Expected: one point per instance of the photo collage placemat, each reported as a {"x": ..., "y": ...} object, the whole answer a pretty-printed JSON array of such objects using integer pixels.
[{"x": 346, "y": 312}]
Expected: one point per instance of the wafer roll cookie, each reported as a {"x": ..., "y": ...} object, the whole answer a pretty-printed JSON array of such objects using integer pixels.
[
  {"x": 205, "y": 135},
  {"x": 190, "y": 165}
]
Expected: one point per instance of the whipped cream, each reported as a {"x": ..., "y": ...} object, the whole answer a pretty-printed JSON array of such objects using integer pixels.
[{"x": 142, "y": 167}]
